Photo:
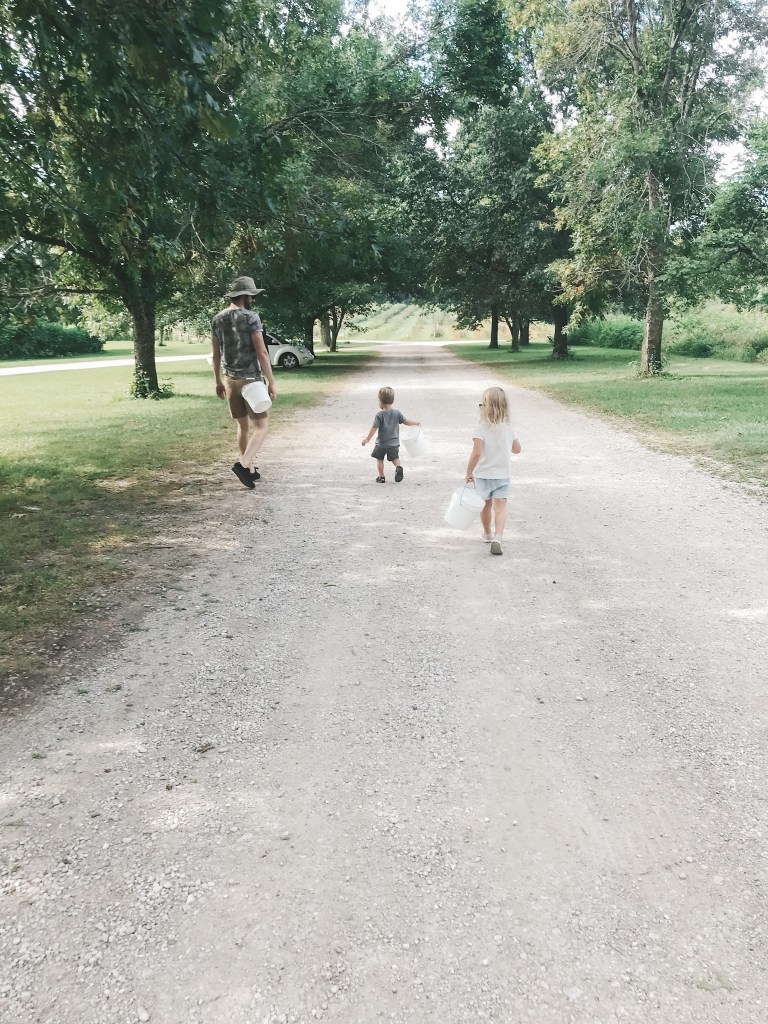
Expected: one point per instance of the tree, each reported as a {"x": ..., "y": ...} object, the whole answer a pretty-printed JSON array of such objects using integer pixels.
[
  {"x": 490, "y": 222},
  {"x": 104, "y": 138},
  {"x": 323, "y": 249},
  {"x": 732, "y": 253},
  {"x": 648, "y": 86}
]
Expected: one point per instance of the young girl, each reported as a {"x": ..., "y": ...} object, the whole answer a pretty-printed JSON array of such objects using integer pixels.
[{"x": 490, "y": 465}]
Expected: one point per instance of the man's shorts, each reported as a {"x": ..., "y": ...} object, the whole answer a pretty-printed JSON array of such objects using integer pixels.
[
  {"x": 379, "y": 452},
  {"x": 486, "y": 487},
  {"x": 238, "y": 407}
]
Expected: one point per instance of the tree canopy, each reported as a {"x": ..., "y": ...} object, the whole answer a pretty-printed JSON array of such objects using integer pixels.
[{"x": 509, "y": 161}]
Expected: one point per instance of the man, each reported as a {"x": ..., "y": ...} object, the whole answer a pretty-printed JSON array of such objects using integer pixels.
[{"x": 239, "y": 357}]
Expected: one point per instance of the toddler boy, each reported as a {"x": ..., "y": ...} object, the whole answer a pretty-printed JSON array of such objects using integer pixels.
[{"x": 387, "y": 421}]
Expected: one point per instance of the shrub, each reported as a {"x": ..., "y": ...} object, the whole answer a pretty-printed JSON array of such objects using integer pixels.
[
  {"x": 713, "y": 330},
  {"x": 140, "y": 388},
  {"x": 696, "y": 347},
  {"x": 728, "y": 333},
  {"x": 45, "y": 341},
  {"x": 612, "y": 332}
]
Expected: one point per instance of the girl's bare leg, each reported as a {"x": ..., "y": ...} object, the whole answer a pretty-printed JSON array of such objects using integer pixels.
[
  {"x": 499, "y": 517},
  {"x": 485, "y": 516}
]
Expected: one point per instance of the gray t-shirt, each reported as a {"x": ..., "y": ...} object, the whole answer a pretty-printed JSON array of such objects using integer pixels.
[
  {"x": 388, "y": 422},
  {"x": 233, "y": 328}
]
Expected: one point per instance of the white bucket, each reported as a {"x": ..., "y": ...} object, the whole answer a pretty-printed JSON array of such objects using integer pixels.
[
  {"x": 463, "y": 508},
  {"x": 257, "y": 396},
  {"x": 414, "y": 442}
]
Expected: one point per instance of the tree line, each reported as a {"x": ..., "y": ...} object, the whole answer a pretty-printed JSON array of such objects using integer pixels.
[{"x": 507, "y": 160}]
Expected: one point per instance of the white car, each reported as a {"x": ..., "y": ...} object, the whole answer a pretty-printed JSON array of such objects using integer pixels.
[
  {"x": 285, "y": 354},
  {"x": 282, "y": 353}
]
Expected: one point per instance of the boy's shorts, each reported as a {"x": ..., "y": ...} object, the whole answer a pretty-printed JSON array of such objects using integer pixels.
[
  {"x": 487, "y": 487},
  {"x": 238, "y": 407},
  {"x": 382, "y": 453}
]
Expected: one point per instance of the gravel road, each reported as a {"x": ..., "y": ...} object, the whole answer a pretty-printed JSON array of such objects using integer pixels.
[{"x": 353, "y": 768}]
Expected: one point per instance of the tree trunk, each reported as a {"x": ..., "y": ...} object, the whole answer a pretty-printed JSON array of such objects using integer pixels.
[
  {"x": 650, "y": 353},
  {"x": 325, "y": 329},
  {"x": 514, "y": 331},
  {"x": 560, "y": 340},
  {"x": 161, "y": 340},
  {"x": 309, "y": 333},
  {"x": 525, "y": 332},
  {"x": 494, "y": 328},
  {"x": 145, "y": 373},
  {"x": 337, "y": 319}
]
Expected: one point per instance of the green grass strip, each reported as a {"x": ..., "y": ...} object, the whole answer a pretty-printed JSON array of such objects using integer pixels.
[
  {"x": 708, "y": 409},
  {"x": 84, "y": 468}
]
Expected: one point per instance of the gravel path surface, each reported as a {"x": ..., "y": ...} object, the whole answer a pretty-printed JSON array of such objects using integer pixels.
[{"x": 356, "y": 769}]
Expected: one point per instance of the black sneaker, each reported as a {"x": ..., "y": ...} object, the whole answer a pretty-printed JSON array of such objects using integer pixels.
[
  {"x": 398, "y": 474},
  {"x": 255, "y": 474},
  {"x": 380, "y": 480},
  {"x": 243, "y": 475}
]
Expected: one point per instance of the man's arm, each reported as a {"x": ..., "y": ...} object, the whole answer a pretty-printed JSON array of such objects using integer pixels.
[
  {"x": 220, "y": 390},
  {"x": 474, "y": 458},
  {"x": 263, "y": 356},
  {"x": 516, "y": 447}
]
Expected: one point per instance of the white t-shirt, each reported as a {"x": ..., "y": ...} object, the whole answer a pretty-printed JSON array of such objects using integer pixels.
[{"x": 496, "y": 461}]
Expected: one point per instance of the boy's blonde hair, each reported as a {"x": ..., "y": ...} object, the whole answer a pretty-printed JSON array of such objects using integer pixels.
[
  {"x": 386, "y": 396},
  {"x": 494, "y": 407}
]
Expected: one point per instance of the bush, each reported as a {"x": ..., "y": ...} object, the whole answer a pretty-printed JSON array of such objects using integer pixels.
[
  {"x": 613, "y": 332},
  {"x": 45, "y": 341},
  {"x": 139, "y": 386},
  {"x": 713, "y": 330},
  {"x": 696, "y": 347},
  {"x": 727, "y": 333}
]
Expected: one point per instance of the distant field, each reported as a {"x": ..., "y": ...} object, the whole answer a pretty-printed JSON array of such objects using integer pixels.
[
  {"x": 714, "y": 410},
  {"x": 401, "y": 322}
]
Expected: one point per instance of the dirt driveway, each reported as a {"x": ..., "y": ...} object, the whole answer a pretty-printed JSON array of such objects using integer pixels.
[{"x": 355, "y": 769}]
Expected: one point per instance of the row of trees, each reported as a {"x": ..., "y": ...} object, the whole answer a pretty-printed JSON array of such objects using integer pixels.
[{"x": 517, "y": 161}]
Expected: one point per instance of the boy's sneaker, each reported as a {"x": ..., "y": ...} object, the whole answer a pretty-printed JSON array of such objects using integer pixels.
[
  {"x": 496, "y": 547},
  {"x": 255, "y": 474},
  {"x": 243, "y": 475},
  {"x": 380, "y": 480},
  {"x": 398, "y": 474},
  {"x": 487, "y": 538}
]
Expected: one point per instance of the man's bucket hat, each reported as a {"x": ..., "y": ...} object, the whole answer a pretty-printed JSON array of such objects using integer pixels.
[{"x": 243, "y": 286}]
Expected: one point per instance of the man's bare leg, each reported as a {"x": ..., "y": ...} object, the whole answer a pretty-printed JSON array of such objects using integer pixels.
[
  {"x": 260, "y": 427},
  {"x": 243, "y": 433}
]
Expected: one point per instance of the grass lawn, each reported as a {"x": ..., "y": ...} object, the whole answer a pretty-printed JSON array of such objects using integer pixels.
[
  {"x": 117, "y": 350},
  {"x": 81, "y": 466},
  {"x": 709, "y": 409}
]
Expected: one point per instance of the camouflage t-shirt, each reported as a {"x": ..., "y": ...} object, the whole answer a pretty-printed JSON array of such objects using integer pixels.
[{"x": 233, "y": 328}]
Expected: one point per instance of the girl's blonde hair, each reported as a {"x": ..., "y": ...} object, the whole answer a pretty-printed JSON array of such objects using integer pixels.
[{"x": 494, "y": 407}]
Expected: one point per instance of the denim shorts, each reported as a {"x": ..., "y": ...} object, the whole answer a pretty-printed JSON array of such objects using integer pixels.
[{"x": 486, "y": 487}]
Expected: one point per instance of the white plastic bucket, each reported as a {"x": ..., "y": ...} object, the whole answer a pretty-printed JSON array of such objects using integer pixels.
[
  {"x": 257, "y": 396},
  {"x": 414, "y": 442},
  {"x": 463, "y": 508}
]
